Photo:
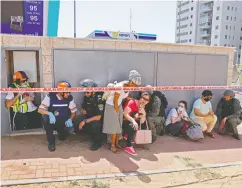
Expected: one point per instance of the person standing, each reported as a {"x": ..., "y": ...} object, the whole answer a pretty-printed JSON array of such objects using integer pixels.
[
  {"x": 229, "y": 114},
  {"x": 113, "y": 114}
]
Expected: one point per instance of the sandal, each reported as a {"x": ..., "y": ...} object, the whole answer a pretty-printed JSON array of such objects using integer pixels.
[
  {"x": 114, "y": 149},
  {"x": 210, "y": 134}
]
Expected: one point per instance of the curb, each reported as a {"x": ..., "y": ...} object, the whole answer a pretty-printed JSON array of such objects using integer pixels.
[{"x": 103, "y": 176}]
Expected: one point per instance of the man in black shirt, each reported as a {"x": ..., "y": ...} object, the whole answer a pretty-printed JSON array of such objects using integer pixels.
[
  {"x": 92, "y": 113},
  {"x": 229, "y": 114}
]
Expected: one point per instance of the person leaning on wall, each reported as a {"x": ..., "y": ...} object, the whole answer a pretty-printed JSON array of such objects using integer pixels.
[
  {"x": 91, "y": 114},
  {"x": 113, "y": 113},
  {"x": 229, "y": 114},
  {"x": 202, "y": 113},
  {"x": 58, "y": 112},
  {"x": 23, "y": 111}
]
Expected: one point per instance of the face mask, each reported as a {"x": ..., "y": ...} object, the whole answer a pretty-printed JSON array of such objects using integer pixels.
[
  {"x": 180, "y": 109},
  {"x": 206, "y": 99}
]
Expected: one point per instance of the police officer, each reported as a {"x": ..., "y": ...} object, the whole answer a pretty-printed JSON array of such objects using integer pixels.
[
  {"x": 92, "y": 113},
  {"x": 58, "y": 110},
  {"x": 23, "y": 112}
]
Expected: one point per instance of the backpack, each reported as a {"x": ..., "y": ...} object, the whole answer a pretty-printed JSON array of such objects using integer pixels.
[
  {"x": 194, "y": 131},
  {"x": 163, "y": 106}
]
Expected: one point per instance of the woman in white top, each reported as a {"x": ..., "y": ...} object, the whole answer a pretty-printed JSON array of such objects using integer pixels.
[
  {"x": 113, "y": 114},
  {"x": 174, "y": 122}
]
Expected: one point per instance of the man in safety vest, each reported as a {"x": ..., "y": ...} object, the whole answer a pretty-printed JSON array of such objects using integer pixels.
[
  {"x": 59, "y": 111},
  {"x": 23, "y": 112}
]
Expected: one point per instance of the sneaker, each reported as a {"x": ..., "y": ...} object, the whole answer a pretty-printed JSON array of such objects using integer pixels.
[
  {"x": 130, "y": 150},
  {"x": 51, "y": 147}
]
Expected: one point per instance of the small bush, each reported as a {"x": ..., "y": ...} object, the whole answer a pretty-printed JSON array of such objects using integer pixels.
[{"x": 96, "y": 184}]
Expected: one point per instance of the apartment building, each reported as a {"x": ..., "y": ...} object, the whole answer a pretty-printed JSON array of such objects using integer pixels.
[{"x": 217, "y": 23}]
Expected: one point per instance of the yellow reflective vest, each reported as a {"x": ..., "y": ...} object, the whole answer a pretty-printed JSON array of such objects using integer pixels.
[{"x": 20, "y": 105}]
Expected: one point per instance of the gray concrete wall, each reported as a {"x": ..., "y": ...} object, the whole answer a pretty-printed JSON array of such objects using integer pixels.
[{"x": 162, "y": 69}]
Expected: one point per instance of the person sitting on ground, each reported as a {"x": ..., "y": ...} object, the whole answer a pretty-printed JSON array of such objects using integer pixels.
[
  {"x": 58, "y": 112},
  {"x": 229, "y": 114},
  {"x": 113, "y": 113},
  {"x": 155, "y": 110},
  {"x": 202, "y": 113},
  {"x": 92, "y": 113},
  {"x": 134, "y": 115},
  {"x": 175, "y": 119},
  {"x": 23, "y": 112}
]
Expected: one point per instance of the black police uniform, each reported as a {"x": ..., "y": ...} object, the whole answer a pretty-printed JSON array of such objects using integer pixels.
[{"x": 94, "y": 106}]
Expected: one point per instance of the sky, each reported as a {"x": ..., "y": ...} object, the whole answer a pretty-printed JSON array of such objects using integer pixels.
[{"x": 153, "y": 17}]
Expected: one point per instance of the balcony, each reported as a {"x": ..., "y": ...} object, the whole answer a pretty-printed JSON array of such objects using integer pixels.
[
  {"x": 205, "y": 33},
  {"x": 206, "y": 8},
  {"x": 205, "y": 42},
  {"x": 205, "y": 20},
  {"x": 205, "y": 25}
]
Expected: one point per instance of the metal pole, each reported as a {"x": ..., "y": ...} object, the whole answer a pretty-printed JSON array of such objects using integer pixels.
[
  {"x": 130, "y": 26},
  {"x": 74, "y": 18}
]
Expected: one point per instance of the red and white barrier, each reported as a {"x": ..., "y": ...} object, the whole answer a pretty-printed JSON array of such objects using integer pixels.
[{"x": 96, "y": 89}]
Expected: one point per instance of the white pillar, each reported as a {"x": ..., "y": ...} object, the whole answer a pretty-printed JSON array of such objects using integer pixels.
[{"x": 45, "y": 17}]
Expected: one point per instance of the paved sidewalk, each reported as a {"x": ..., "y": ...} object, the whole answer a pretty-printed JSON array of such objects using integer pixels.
[{"x": 27, "y": 157}]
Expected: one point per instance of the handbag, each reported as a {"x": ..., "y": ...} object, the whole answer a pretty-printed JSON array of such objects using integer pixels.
[
  {"x": 143, "y": 136},
  {"x": 194, "y": 131}
]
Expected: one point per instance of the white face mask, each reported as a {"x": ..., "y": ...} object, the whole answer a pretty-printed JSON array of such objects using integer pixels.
[{"x": 180, "y": 109}]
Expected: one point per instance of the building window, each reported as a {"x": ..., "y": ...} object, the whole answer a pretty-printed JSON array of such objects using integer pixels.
[
  {"x": 192, "y": 8},
  {"x": 225, "y": 36},
  {"x": 241, "y": 38},
  {"x": 233, "y": 37},
  {"x": 216, "y": 36},
  {"x": 235, "y": 9},
  {"x": 190, "y": 40},
  {"x": 232, "y": 45},
  {"x": 191, "y": 16},
  {"x": 226, "y": 27},
  {"x": 239, "y": 46},
  {"x": 218, "y": 8},
  {"x": 227, "y": 7},
  {"x": 190, "y": 32},
  {"x": 227, "y": 18},
  {"x": 232, "y": 8},
  {"x": 230, "y": 28},
  {"x": 217, "y": 17},
  {"x": 241, "y": 29},
  {"x": 225, "y": 45},
  {"x": 216, "y": 27},
  {"x": 231, "y": 18},
  {"x": 190, "y": 24},
  {"x": 239, "y": 56},
  {"x": 234, "y": 18}
]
